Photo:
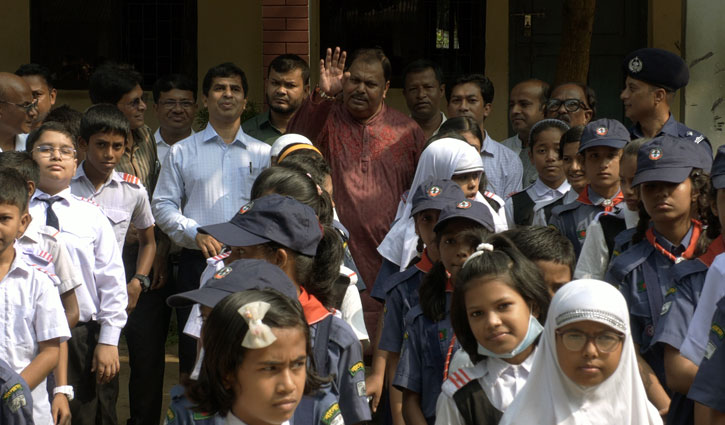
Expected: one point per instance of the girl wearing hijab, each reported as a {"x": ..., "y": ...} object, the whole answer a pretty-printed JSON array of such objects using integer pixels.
[{"x": 585, "y": 371}]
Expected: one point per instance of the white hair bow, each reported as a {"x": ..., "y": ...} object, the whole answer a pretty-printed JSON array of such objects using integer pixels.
[
  {"x": 480, "y": 249},
  {"x": 259, "y": 334}
]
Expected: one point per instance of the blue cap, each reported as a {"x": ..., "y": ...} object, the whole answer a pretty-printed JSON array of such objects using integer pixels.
[
  {"x": 604, "y": 132},
  {"x": 271, "y": 218},
  {"x": 465, "y": 208},
  {"x": 239, "y": 276},
  {"x": 658, "y": 67},
  {"x": 718, "y": 169},
  {"x": 670, "y": 159},
  {"x": 435, "y": 194}
]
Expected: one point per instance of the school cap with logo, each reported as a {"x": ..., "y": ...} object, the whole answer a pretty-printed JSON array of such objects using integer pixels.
[
  {"x": 658, "y": 67},
  {"x": 670, "y": 159},
  {"x": 435, "y": 194},
  {"x": 238, "y": 276},
  {"x": 604, "y": 132},
  {"x": 718, "y": 169},
  {"x": 465, "y": 208},
  {"x": 271, "y": 218}
]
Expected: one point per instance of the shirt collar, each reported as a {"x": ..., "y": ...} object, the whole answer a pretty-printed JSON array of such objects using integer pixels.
[
  {"x": 540, "y": 189},
  {"x": 19, "y": 262},
  {"x": 65, "y": 194},
  {"x": 210, "y": 134},
  {"x": 671, "y": 247},
  {"x": 488, "y": 147},
  {"x": 497, "y": 367},
  {"x": 670, "y": 127},
  {"x": 81, "y": 174},
  {"x": 160, "y": 140}
]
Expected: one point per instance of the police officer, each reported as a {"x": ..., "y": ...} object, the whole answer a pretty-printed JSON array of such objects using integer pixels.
[{"x": 653, "y": 77}]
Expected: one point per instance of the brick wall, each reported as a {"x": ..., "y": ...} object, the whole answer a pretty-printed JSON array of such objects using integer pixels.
[{"x": 285, "y": 27}]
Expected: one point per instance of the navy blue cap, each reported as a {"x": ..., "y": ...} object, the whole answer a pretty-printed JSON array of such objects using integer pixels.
[
  {"x": 435, "y": 194},
  {"x": 718, "y": 169},
  {"x": 604, "y": 132},
  {"x": 465, "y": 208},
  {"x": 239, "y": 276},
  {"x": 271, "y": 218},
  {"x": 658, "y": 67},
  {"x": 670, "y": 159}
]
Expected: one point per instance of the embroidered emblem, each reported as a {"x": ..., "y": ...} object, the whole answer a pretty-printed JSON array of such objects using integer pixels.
[
  {"x": 198, "y": 416},
  {"x": 582, "y": 234},
  {"x": 464, "y": 205},
  {"x": 442, "y": 334},
  {"x": 170, "y": 416},
  {"x": 14, "y": 398},
  {"x": 357, "y": 367},
  {"x": 602, "y": 131},
  {"x": 671, "y": 291},
  {"x": 635, "y": 65},
  {"x": 717, "y": 330},
  {"x": 246, "y": 208},
  {"x": 641, "y": 286},
  {"x": 434, "y": 191},
  {"x": 223, "y": 272},
  {"x": 331, "y": 414},
  {"x": 655, "y": 154},
  {"x": 361, "y": 391}
]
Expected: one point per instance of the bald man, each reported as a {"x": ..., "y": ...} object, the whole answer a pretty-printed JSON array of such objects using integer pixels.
[{"x": 18, "y": 109}]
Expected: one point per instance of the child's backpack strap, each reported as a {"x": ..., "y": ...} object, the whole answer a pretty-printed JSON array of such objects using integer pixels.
[
  {"x": 523, "y": 208},
  {"x": 322, "y": 336},
  {"x": 474, "y": 405},
  {"x": 611, "y": 227}
]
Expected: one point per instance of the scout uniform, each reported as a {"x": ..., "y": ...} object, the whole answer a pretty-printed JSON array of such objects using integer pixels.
[
  {"x": 709, "y": 385},
  {"x": 16, "y": 402}
]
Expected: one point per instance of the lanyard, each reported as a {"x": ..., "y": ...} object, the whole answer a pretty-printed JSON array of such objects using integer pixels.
[
  {"x": 448, "y": 357},
  {"x": 688, "y": 252}
]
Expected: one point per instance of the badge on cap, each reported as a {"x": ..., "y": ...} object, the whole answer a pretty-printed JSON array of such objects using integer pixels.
[
  {"x": 635, "y": 65},
  {"x": 464, "y": 205},
  {"x": 246, "y": 208},
  {"x": 602, "y": 131},
  {"x": 655, "y": 154},
  {"x": 434, "y": 191},
  {"x": 223, "y": 272}
]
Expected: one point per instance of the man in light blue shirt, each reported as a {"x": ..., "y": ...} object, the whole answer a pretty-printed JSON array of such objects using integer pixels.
[{"x": 206, "y": 178}]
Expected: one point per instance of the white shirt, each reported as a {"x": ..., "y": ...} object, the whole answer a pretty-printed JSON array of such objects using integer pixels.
[
  {"x": 594, "y": 257},
  {"x": 205, "y": 181},
  {"x": 351, "y": 308},
  {"x": 30, "y": 312},
  {"x": 42, "y": 245},
  {"x": 501, "y": 381},
  {"x": 541, "y": 194},
  {"x": 163, "y": 148},
  {"x": 122, "y": 197},
  {"x": 540, "y": 214},
  {"x": 94, "y": 251},
  {"x": 20, "y": 140}
]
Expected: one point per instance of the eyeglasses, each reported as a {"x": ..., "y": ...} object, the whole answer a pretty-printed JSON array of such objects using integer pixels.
[
  {"x": 136, "y": 103},
  {"x": 46, "y": 151},
  {"x": 606, "y": 341},
  {"x": 571, "y": 105},
  {"x": 26, "y": 107},
  {"x": 172, "y": 104}
]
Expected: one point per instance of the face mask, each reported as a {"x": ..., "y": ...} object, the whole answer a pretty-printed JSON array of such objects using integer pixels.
[{"x": 534, "y": 331}]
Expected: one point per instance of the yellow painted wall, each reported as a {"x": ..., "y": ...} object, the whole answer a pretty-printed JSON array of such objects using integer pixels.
[
  {"x": 665, "y": 32},
  {"x": 15, "y": 33}
]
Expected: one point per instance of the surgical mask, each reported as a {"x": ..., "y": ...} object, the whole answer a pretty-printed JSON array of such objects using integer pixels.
[{"x": 534, "y": 331}]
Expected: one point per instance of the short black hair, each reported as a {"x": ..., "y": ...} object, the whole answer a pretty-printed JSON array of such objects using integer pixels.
[
  {"x": 110, "y": 82},
  {"x": 173, "y": 81},
  {"x": 589, "y": 94},
  {"x": 48, "y": 126},
  {"x": 23, "y": 163},
  {"x": 543, "y": 125},
  {"x": 421, "y": 65},
  {"x": 483, "y": 83},
  {"x": 15, "y": 189},
  {"x": 543, "y": 243},
  {"x": 31, "y": 69},
  {"x": 313, "y": 163},
  {"x": 289, "y": 62},
  {"x": 104, "y": 118},
  {"x": 224, "y": 70},
  {"x": 69, "y": 117},
  {"x": 573, "y": 135},
  {"x": 374, "y": 54},
  {"x": 460, "y": 125}
]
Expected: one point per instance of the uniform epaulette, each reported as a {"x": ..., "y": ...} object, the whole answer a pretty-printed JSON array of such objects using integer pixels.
[
  {"x": 461, "y": 377},
  {"x": 628, "y": 260},
  {"x": 130, "y": 178},
  {"x": 685, "y": 268},
  {"x": 43, "y": 256},
  {"x": 397, "y": 278},
  {"x": 52, "y": 276},
  {"x": 89, "y": 200},
  {"x": 215, "y": 259},
  {"x": 494, "y": 197}
]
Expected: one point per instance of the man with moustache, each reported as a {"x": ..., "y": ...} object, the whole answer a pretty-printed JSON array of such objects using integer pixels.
[
  {"x": 372, "y": 150},
  {"x": 18, "y": 110},
  {"x": 288, "y": 84},
  {"x": 40, "y": 80},
  {"x": 573, "y": 103},
  {"x": 423, "y": 90}
]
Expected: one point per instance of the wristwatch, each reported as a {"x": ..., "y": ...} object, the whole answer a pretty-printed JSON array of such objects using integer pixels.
[
  {"x": 145, "y": 281},
  {"x": 64, "y": 389}
]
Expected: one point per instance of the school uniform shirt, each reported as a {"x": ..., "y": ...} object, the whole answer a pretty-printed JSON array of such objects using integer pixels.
[
  {"x": 542, "y": 211},
  {"x": 122, "y": 197},
  {"x": 163, "y": 148},
  {"x": 423, "y": 357},
  {"x": 503, "y": 168},
  {"x": 644, "y": 276},
  {"x": 205, "y": 181},
  {"x": 594, "y": 257},
  {"x": 489, "y": 199},
  {"x": 16, "y": 402},
  {"x": 351, "y": 308},
  {"x": 573, "y": 219},
  {"x": 500, "y": 381},
  {"x": 89, "y": 237},
  {"x": 529, "y": 169},
  {"x": 674, "y": 128},
  {"x": 31, "y": 313},
  {"x": 538, "y": 193},
  {"x": 694, "y": 346},
  {"x": 709, "y": 385},
  {"x": 43, "y": 246}
]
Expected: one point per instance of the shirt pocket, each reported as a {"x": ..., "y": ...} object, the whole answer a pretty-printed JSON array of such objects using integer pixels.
[{"x": 119, "y": 219}]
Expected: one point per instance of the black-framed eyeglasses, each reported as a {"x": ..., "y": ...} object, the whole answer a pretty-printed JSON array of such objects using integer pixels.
[
  {"x": 606, "y": 341},
  {"x": 27, "y": 107},
  {"x": 571, "y": 105},
  {"x": 46, "y": 151}
]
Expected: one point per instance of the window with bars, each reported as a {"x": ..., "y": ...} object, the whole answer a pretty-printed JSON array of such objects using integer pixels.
[
  {"x": 73, "y": 37},
  {"x": 449, "y": 32}
]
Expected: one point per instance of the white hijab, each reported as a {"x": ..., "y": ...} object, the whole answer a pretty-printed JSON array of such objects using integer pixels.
[
  {"x": 440, "y": 160},
  {"x": 285, "y": 140},
  {"x": 550, "y": 397}
]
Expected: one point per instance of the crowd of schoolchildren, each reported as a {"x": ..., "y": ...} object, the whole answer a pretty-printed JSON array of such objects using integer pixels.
[{"x": 484, "y": 323}]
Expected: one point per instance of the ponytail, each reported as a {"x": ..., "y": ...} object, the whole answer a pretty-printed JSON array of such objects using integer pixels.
[{"x": 318, "y": 274}]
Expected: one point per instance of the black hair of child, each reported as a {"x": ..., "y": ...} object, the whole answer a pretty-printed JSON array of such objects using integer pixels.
[
  {"x": 69, "y": 117},
  {"x": 543, "y": 243},
  {"x": 573, "y": 135},
  {"x": 15, "y": 189},
  {"x": 507, "y": 264},
  {"x": 48, "y": 126},
  {"x": 104, "y": 118},
  {"x": 23, "y": 163}
]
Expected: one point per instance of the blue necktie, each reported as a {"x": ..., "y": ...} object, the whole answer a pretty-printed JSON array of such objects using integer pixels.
[{"x": 50, "y": 218}]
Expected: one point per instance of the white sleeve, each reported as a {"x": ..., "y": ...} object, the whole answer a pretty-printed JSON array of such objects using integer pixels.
[
  {"x": 509, "y": 208},
  {"x": 594, "y": 257},
  {"x": 110, "y": 278},
  {"x": 352, "y": 312},
  {"x": 447, "y": 412},
  {"x": 68, "y": 274}
]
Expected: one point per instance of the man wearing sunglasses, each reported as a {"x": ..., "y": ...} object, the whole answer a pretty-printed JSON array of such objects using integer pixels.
[
  {"x": 18, "y": 109},
  {"x": 573, "y": 103}
]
